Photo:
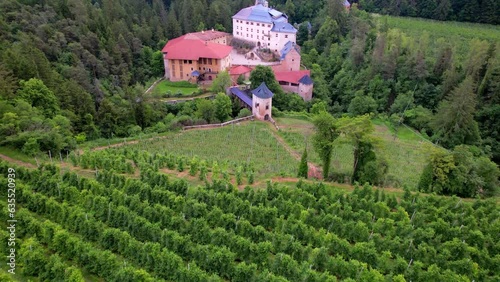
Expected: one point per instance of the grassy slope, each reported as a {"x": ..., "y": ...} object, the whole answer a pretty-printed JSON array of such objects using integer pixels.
[
  {"x": 457, "y": 34},
  {"x": 406, "y": 152}
]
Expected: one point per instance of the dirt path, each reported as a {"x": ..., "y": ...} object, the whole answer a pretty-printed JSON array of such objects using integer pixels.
[
  {"x": 17, "y": 162},
  {"x": 314, "y": 171}
]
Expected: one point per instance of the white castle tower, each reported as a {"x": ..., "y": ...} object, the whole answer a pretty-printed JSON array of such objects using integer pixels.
[{"x": 262, "y": 2}]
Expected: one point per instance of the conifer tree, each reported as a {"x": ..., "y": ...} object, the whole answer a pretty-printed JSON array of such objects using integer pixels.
[
  {"x": 454, "y": 123},
  {"x": 303, "y": 169}
]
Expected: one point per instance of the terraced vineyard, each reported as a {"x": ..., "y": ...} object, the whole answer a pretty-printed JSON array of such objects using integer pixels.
[{"x": 117, "y": 227}]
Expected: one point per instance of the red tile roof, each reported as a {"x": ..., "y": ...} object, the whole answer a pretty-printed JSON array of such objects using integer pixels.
[
  {"x": 237, "y": 70},
  {"x": 291, "y": 76},
  {"x": 182, "y": 48}
]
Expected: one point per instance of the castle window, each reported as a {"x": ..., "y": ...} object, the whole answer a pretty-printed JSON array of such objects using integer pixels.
[
  {"x": 286, "y": 35},
  {"x": 258, "y": 24},
  {"x": 247, "y": 28},
  {"x": 185, "y": 61},
  {"x": 267, "y": 107},
  {"x": 247, "y": 22},
  {"x": 268, "y": 25},
  {"x": 190, "y": 61},
  {"x": 256, "y": 105},
  {"x": 251, "y": 23},
  {"x": 276, "y": 35}
]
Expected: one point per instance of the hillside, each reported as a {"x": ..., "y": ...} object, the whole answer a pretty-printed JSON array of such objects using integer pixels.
[
  {"x": 108, "y": 179},
  {"x": 216, "y": 233},
  {"x": 457, "y": 34}
]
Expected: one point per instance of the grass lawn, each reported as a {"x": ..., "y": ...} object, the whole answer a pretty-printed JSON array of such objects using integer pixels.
[
  {"x": 174, "y": 88},
  {"x": 406, "y": 152}
]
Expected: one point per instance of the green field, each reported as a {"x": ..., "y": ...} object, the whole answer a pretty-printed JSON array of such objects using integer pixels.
[
  {"x": 456, "y": 34},
  {"x": 406, "y": 153},
  {"x": 250, "y": 142},
  {"x": 174, "y": 88}
]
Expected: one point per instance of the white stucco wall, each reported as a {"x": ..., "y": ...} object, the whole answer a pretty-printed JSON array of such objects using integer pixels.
[
  {"x": 260, "y": 111},
  {"x": 279, "y": 39}
]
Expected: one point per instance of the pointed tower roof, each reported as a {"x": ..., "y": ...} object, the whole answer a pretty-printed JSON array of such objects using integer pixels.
[{"x": 262, "y": 91}]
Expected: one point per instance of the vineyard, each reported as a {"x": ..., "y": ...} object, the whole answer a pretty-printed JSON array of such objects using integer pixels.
[
  {"x": 245, "y": 144},
  {"x": 151, "y": 228},
  {"x": 437, "y": 33}
]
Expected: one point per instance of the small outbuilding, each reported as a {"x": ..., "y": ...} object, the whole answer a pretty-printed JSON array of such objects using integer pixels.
[
  {"x": 259, "y": 100},
  {"x": 262, "y": 102}
]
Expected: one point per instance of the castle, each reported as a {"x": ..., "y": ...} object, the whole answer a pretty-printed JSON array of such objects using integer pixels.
[
  {"x": 264, "y": 26},
  {"x": 201, "y": 56}
]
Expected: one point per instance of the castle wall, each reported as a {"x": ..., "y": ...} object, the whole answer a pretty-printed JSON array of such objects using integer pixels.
[
  {"x": 182, "y": 69},
  {"x": 305, "y": 91},
  {"x": 279, "y": 39},
  {"x": 255, "y": 32}
]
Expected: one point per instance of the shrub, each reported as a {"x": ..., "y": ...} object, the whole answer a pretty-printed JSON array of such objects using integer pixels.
[
  {"x": 244, "y": 113},
  {"x": 134, "y": 130},
  {"x": 250, "y": 177},
  {"x": 193, "y": 166},
  {"x": 203, "y": 170},
  {"x": 180, "y": 164},
  {"x": 239, "y": 178}
]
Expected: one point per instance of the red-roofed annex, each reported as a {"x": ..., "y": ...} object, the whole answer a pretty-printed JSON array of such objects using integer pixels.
[{"x": 195, "y": 54}]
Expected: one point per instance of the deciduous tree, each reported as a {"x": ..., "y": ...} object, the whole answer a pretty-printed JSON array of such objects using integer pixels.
[{"x": 325, "y": 135}]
